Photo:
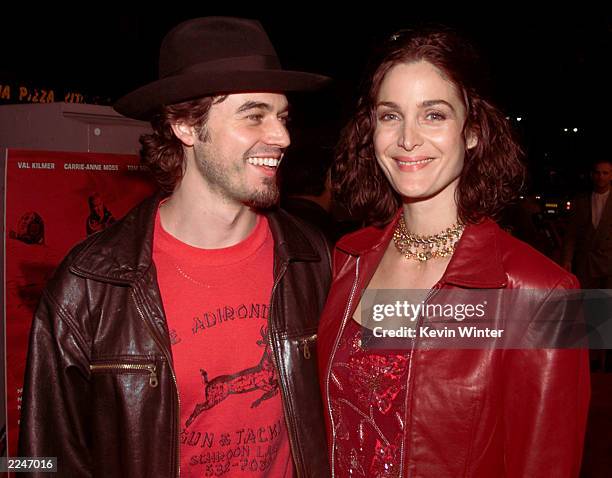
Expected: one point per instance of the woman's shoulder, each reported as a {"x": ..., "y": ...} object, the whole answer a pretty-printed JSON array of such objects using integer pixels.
[
  {"x": 362, "y": 239},
  {"x": 527, "y": 267}
]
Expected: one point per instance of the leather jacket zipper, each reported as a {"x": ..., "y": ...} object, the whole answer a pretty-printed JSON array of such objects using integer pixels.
[
  {"x": 294, "y": 451},
  {"x": 305, "y": 348},
  {"x": 149, "y": 367},
  {"x": 419, "y": 323},
  {"x": 331, "y": 359},
  {"x": 178, "y": 399}
]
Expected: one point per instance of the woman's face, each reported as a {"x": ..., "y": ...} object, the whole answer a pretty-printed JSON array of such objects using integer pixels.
[{"x": 418, "y": 138}]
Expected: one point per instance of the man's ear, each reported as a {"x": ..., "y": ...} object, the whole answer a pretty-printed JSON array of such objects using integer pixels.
[{"x": 185, "y": 133}]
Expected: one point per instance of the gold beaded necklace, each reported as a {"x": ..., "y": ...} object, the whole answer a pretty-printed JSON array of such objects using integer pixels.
[{"x": 423, "y": 248}]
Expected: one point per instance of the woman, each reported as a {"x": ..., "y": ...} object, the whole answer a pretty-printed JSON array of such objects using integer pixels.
[{"x": 428, "y": 161}]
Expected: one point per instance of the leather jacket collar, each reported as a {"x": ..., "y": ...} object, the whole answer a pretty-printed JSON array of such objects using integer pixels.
[
  {"x": 467, "y": 268},
  {"x": 124, "y": 257}
]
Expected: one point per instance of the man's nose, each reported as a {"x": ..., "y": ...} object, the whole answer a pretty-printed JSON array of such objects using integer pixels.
[{"x": 277, "y": 134}]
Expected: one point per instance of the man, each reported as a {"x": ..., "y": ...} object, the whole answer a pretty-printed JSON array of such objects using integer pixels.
[
  {"x": 181, "y": 338},
  {"x": 588, "y": 241},
  {"x": 99, "y": 216}
]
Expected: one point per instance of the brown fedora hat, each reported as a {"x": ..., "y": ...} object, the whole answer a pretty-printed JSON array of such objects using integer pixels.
[{"x": 214, "y": 55}]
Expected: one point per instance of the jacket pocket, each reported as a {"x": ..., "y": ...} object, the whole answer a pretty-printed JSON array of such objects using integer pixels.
[
  {"x": 127, "y": 366},
  {"x": 307, "y": 344}
]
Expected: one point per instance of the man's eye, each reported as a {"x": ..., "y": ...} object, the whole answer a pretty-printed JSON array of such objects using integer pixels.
[
  {"x": 255, "y": 117},
  {"x": 285, "y": 119}
]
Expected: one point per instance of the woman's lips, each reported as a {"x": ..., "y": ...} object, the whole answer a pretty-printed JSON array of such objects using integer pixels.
[{"x": 412, "y": 163}]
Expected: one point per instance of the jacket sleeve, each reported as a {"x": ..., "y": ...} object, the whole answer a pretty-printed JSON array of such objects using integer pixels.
[
  {"x": 54, "y": 414},
  {"x": 546, "y": 399}
]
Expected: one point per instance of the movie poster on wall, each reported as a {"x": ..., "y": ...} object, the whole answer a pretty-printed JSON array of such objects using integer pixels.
[{"x": 53, "y": 200}]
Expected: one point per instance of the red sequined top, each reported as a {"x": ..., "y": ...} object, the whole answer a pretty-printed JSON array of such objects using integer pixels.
[{"x": 368, "y": 402}]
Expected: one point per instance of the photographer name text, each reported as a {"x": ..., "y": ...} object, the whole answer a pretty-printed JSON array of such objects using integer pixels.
[{"x": 446, "y": 333}]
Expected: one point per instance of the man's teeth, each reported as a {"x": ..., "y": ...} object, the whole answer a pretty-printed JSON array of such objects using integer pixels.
[
  {"x": 410, "y": 163},
  {"x": 273, "y": 162}
]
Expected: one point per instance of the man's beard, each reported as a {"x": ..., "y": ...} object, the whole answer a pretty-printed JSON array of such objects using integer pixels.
[
  {"x": 264, "y": 198},
  {"x": 224, "y": 179}
]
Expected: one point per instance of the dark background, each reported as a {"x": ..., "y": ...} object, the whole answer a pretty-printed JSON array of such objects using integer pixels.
[{"x": 552, "y": 69}]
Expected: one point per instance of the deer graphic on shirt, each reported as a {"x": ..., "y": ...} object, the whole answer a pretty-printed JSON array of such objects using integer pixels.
[{"x": 260, "y": 377}]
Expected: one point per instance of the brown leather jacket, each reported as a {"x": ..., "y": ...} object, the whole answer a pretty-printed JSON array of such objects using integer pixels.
[{"x": 100, "y": 393}]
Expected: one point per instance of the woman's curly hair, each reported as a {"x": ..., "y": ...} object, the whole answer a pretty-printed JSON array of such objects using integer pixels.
[
  {"x": 493, "y": 171},
  {"x": 162, "y": 152}
]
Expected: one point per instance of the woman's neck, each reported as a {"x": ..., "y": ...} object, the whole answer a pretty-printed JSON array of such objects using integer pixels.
[{"x": 429, "y": 216}]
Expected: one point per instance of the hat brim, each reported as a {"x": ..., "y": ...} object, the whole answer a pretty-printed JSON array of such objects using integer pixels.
[{"x": 145, "y": 101}]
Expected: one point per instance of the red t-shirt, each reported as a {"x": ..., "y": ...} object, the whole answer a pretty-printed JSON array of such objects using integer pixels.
[{"x": 217, "y": 305}]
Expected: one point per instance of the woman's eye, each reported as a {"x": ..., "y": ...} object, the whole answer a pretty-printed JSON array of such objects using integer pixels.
[
  {"x": 388, "y": 117},
  {"x": 435, "y": 116}
]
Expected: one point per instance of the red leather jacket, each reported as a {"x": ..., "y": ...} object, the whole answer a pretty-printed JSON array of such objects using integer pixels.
[{"x": 473, "y": 413}]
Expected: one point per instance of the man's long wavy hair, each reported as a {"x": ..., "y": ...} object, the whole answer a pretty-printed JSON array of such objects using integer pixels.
[
  {"x": 162, "y": 152},
  {"x": 493, "y": 172}
]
